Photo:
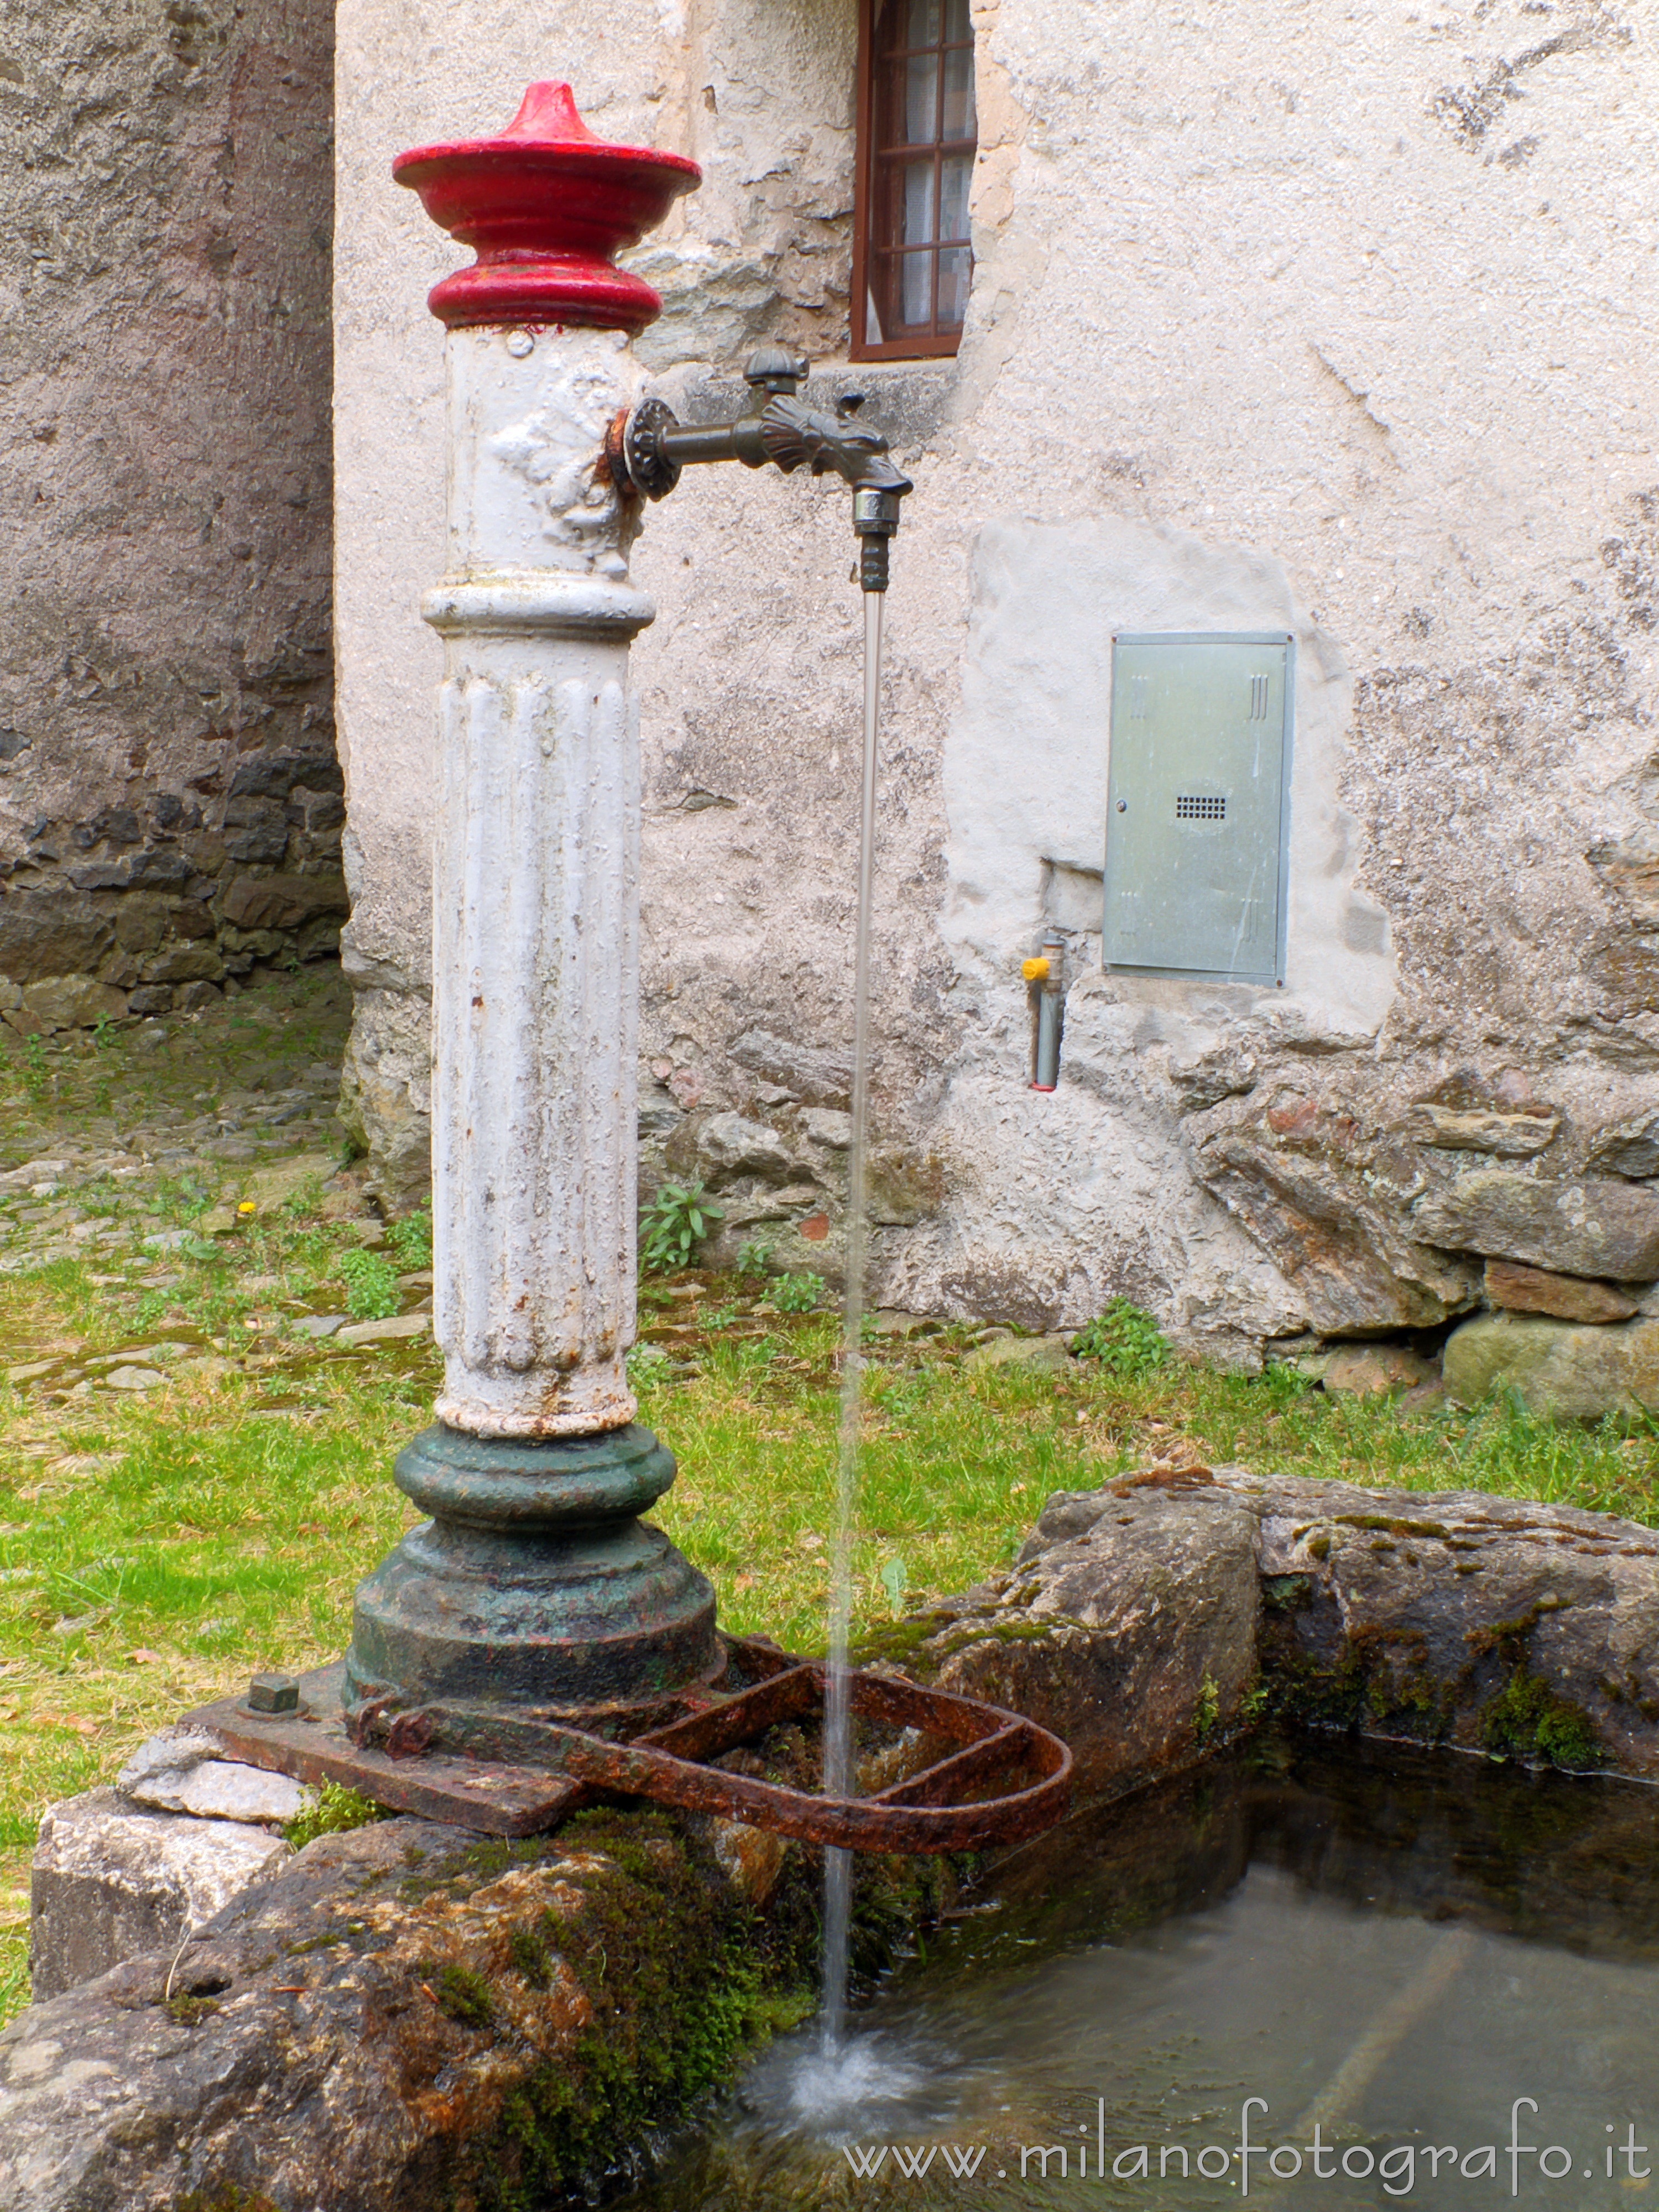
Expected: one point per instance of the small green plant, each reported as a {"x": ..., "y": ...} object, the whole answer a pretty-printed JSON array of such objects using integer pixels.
[
  {"x": 1206, "y": 1708},
  {"x": 411, "y": 1240},
  {"x": 332, "y": 1811},
  {"x": 35, "y": 1073},
  {"x": 647, "y": 1363},
  {"x": 755, "y": 1257},
  {"x": 674, "y": 1225},
  {"x": 1124, "y": 1339},
  {"x": 103, "y": 1033},
  {"x": 798, "y": 1294},
  {"x": 372, "y": 1292},
  {"x": 895, "y": 1580}
]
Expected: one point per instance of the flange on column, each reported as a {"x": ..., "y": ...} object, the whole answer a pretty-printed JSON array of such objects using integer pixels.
[{"x": 535, "y": 1585}]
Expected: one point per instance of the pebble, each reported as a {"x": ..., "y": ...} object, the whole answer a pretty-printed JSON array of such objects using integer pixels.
[
  {"x": 134, "y": 1378},
  {"x": 317, "y": 1324}
]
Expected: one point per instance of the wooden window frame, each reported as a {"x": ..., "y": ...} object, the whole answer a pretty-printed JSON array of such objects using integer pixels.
[{"x": 926, "y": 345}]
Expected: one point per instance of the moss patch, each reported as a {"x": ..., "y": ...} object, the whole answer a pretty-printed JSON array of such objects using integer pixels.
[{"x": 1528, "y": 1720}]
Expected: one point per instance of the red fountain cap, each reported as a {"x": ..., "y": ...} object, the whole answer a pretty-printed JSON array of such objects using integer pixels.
[{"x": 545, "y": 206}]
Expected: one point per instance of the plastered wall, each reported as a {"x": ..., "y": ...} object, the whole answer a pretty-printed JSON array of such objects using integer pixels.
[{"x": 1318, "y": 317}]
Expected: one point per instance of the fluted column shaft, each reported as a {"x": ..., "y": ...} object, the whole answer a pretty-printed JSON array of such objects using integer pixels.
[{"x": 536, "y": 911}]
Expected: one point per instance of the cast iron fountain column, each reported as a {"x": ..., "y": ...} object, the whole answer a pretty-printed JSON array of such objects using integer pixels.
[{"x": 534, "y": 1585}]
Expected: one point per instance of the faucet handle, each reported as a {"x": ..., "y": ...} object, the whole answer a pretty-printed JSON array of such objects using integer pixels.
[{"x": 778, "y": 370}]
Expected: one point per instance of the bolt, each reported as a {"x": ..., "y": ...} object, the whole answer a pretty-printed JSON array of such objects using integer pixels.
[{"x": 273, "y": 1693}]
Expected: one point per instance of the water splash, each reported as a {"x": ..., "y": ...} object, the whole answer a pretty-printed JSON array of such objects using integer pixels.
[{"x": 838, "y": 1776}]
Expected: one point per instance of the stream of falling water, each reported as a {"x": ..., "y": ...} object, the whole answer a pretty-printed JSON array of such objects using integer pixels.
[{"x": 838, "y": 1778}]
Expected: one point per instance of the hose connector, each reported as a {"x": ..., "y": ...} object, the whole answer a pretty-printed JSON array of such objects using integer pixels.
[{"x": 876, "y": 519}]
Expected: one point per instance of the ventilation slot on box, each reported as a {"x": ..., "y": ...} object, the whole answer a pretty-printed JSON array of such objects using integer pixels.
[{"x": 1203, "y": 808}]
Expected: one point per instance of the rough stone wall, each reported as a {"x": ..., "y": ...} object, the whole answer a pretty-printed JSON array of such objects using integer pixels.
[
  {"x": 1322, "y": 319},
  {"x": 170, "y": 803}
]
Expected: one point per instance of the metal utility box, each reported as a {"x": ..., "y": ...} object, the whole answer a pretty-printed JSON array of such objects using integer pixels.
[{"x": 1198, "y": 804}]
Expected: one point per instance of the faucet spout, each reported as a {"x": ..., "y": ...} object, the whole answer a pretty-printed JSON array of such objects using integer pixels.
[{"x": 649, "y": 448}]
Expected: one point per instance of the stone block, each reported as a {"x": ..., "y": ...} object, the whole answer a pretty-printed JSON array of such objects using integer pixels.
[
  {"x": 1520, "y": 1288},
  {"x": 1510, "y": 1136},
  {"x": 825, "y": 1125},
  {"x": 282, "y": 902},
  {"x": 110, "y": 1883},
  {"x": 51, "y": 933},
  {"x": 184, "y": 963},
  {"x": 71, "y": 1002},
  {"x": 807, "y": 1072},
  {"x": 1376, "y": 1371},
  {"x": 730, "y": 1145},
  {"x": 1354, "y": 1260},
  {"x": 1127, "y": 1624},
  {"x": 1590, "y": 1227},
  {"x": 1558, "y": 1370},
  {"x": 1629, "y": 1148}
]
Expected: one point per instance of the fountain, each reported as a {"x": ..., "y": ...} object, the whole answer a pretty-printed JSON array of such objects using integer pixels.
[{"x": 535, "y": 1638}]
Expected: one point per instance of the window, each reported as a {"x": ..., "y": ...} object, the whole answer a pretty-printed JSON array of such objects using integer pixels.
[{"x": 917, "y": 135}]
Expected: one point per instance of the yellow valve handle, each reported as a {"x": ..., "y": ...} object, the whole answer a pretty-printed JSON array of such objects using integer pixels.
[{"x": 1035, "y": 971}]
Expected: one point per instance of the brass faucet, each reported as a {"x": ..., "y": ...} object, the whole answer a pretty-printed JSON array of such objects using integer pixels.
[{"x": 649, "y": 447}]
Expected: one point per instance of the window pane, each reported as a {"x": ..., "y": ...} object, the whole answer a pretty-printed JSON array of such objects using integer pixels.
[
  {"x": 922, "y": 23},
  {"x": 959, "y": 121},
  {"x": 916, "y": 223},
  {"x": 956, "y": 173},
  {"x": 957, "y": 26},
  {"x": 920, "y": 101},
  {"x": 955, "y": 265},
  {"x": 916, "y": 288}
]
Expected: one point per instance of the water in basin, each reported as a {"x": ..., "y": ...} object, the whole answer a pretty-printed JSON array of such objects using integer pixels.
[{"x": 1389, "y": 1951}]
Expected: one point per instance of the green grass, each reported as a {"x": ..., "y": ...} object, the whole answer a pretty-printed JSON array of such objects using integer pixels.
[
  {"x": 205, "y": 1535},
  {"x": 156, "y": 1550}
]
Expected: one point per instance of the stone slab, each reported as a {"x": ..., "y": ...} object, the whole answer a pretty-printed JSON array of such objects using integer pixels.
[
  {"x": 110, "y": 1882},
  {"x": 222, "y": 1790},
  {"x": 1520, "y": 1288},
  {"x": 1596, "y": 1227},
  {"x": 1041, "y": 1355},
  {"x": 395, "y": 1329}
]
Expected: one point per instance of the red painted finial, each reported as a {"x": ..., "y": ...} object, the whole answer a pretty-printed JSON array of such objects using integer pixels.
[{"x": 545, "y": 206}]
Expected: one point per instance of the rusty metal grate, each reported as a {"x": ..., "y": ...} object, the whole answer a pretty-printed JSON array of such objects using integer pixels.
[{"x": 488, "y": 1770}]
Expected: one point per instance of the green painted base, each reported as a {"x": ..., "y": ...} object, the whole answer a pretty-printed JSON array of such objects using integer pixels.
[{"x": 533, "y": 1586}]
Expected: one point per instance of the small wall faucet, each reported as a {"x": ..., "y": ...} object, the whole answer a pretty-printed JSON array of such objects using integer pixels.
[{"x": 648, "y": 448}]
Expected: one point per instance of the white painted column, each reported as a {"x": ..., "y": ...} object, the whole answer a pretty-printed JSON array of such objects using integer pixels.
[{"x": 535, "y": 917}]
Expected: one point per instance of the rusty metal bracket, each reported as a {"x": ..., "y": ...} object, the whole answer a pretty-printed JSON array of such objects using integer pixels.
[{"x": 486, "y": 1768}]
